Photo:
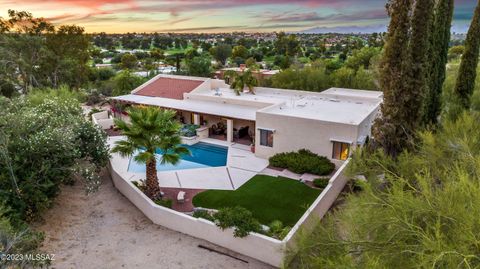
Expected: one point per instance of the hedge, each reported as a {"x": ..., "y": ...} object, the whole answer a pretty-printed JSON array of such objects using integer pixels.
[{"x": 303, "y": 161}]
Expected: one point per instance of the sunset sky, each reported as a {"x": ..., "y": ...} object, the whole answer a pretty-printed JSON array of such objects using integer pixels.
[{"x": 118, "y": 16}]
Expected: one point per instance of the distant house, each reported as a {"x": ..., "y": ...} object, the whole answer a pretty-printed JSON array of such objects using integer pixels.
[
  {"x": 99, "y": 66},
  {"x": 330, "y": 123}
]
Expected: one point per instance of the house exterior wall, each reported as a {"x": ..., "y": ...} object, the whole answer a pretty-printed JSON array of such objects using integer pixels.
[
  {"x": 292, "y": 134},
  {"x": 365, "y": 128}
]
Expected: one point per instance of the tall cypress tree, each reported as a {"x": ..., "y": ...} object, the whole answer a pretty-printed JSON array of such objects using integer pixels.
[
  {"x": 418, "y": 65},
  {"x": 438, "y": 52},
  {"x": 388, "y": 130},
  {"x": 404, "y": 70},
  {"x": 468, "y": 67}
]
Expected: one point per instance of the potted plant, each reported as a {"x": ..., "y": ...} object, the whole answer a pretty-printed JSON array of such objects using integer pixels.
[{"x": 252, "y": 146}]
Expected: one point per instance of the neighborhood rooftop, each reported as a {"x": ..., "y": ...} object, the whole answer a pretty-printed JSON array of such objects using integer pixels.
[
  {"x": 168, "y": 87},
  {"x": 212, "y": 96}
]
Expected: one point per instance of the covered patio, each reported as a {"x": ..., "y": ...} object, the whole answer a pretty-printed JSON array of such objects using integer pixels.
[
  {"x": 216, "y": 127},
  {"x": 216, "y": 120}
]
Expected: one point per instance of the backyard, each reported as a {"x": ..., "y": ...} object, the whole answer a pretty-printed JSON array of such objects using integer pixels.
[
  {"x": 111, "y": 232},
  {"x": 268, "y": 198}
]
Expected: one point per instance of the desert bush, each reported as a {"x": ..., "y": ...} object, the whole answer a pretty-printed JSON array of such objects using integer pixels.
[
  {"x": 239, "y": 218},
  {"x": 320, "y": 182},
  {"x": 204, "y": 214},
  {"x": 164, "y": 202},
  {"x": 277, "y": 230},
  {"x": 44, "y": 138}
]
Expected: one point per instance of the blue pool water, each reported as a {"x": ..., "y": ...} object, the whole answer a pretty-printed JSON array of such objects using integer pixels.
[{"x": 202, "y": 155}]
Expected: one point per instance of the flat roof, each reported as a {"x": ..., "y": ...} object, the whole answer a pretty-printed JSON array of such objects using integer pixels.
[
  {"x": 325, "y": 109},
  {"x": 198, "y": 106},
  {"x": 348, "y": 106},
  {"x": 339, "y": 105}
]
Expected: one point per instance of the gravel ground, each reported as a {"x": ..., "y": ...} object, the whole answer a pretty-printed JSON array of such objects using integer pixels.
[{"x": 105, "y": 230}]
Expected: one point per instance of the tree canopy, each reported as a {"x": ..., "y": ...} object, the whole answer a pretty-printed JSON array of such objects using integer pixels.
[{"x": 36, "y": 54}]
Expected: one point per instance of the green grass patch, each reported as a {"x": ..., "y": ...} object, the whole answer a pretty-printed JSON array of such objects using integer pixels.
[{"x": 268, "y": 198}]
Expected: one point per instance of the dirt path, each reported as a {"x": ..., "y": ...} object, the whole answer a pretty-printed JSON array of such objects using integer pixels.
[{"x": 105, "y": 230}]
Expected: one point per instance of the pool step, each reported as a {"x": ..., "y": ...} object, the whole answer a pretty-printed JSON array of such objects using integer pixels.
[{"x": 209, "y": 147}]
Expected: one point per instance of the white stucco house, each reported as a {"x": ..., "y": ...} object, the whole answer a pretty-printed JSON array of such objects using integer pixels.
[{"x": 330, "y": 123}]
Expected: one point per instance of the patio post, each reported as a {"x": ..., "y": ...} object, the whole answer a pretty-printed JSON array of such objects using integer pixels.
[
  {"x": 196, "y": 119},
  {"x": 229, "y": 130}
]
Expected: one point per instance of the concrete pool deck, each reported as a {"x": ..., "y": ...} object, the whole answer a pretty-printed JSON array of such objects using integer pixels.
[{"x": 242, "y": 165}]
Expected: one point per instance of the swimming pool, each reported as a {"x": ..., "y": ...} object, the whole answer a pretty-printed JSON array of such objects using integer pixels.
[{"x": 202, "y": 155}]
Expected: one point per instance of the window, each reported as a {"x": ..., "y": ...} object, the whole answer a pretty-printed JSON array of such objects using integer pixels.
[
  {"x": 266, "y": 138},
  {"x": 340, "y": 150}
]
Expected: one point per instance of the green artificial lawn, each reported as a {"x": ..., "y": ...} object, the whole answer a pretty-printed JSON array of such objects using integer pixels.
[{"x": 268, "y": 198}]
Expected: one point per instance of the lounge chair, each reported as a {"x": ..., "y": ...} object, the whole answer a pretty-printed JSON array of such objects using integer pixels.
[{"x": 181, "y": 197}]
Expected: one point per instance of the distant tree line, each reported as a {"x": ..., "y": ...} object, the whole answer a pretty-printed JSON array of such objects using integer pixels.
[{"x": 33, "y": 53}]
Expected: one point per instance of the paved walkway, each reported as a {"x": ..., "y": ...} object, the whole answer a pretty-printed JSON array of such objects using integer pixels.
[
  {"x": 242, "y": 165},
  {"x": 288, "y": 174}
]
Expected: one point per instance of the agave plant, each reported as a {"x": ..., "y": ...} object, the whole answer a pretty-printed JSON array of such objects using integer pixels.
[{"x": 240, "y": 81}]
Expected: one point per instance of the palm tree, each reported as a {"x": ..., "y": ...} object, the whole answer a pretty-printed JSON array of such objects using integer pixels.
[
  {"x": 241, "y": 80},
  {"x": 151, "y": 128}
]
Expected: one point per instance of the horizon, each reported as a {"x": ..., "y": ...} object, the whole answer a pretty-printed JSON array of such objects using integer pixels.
[{"x": 216, "y": 16}]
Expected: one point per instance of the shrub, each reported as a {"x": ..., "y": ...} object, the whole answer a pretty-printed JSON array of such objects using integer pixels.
[
  {"x": 320, "y": 182},
  {"x": 164, "y": 202},
  {"x": 19, "y": 238},
  {"x": 45, "y": 141},
  {"x": 303, "y": 161},
  {"x": 189, "y": 130},
  {"x": 239, "y": 218},
  {"x": 140, "y": 185},
  {"x": 204, "y": 214},
  {"x": 277, "y": 230},
  {"x": 94, "y": 97}
]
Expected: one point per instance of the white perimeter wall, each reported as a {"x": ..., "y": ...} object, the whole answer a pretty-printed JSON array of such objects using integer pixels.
[
  {"x": 257, "y": 246},
  {"x": 319, "y": 207},
  {"x": 260, "y": 247},
  {"x": 103, "y": 120}
]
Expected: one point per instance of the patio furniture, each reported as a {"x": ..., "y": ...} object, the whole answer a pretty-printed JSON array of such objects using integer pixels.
[
  {"x": 243, "y": 132},
  {"x": 218, "y": 129},
  {"x": 181, "y": 197}
]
